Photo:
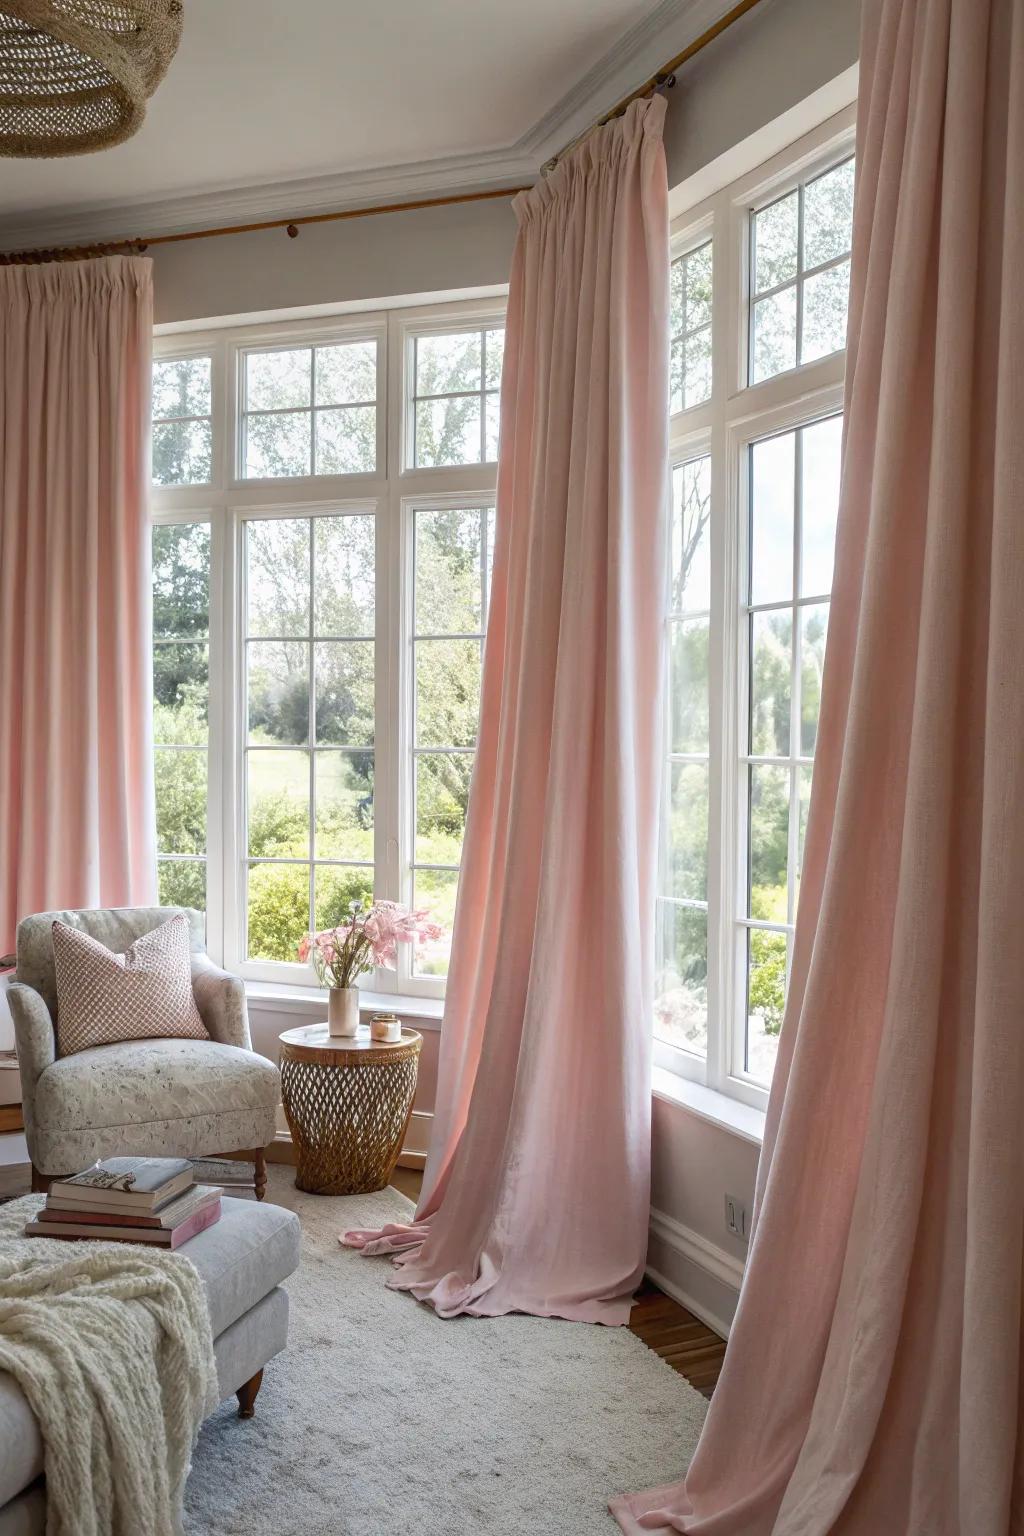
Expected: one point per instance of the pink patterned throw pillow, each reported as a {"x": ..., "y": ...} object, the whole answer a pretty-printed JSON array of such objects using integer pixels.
[{"x": 146, "y": 992}]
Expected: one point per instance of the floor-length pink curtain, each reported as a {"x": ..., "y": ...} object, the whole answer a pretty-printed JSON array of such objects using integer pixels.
[
  {"x": 872, "y": 1382},
  {"x": 536, "y": 1192},
  {"x": 76, "y": 777}
]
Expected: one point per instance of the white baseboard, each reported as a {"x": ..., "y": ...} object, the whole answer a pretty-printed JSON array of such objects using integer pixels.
[
  {"x": 417, "y": 1140},
  {"x": 702, "y": 1277}
]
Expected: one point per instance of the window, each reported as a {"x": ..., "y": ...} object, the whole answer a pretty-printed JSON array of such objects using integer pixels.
[
  {"x": 320, "y": 603},
  {"x": 800, "y": 261},
  {"x": 310, "y": 411},
  {"x": 456, "y": 377},
  {"x": 690, "y": 320},
  {"x": 182, "y": 421},
  {"x": 755, "y": 490},
  {"x": 181, "y": 701}
]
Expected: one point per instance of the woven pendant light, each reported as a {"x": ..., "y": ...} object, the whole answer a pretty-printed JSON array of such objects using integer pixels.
[{"x": 75, "y": 75}]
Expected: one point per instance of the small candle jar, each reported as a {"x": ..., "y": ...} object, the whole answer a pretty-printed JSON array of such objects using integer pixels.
[{"x": 385, "y": 1028}]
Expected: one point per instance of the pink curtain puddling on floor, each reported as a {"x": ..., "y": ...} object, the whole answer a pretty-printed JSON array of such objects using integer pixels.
[
  {"x": 76, "y": 776},
  {"x": 536, "y": 1192},
  {"x": 872, "y": 1385}
]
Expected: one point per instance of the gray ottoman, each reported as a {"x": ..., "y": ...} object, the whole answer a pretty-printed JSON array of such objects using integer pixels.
[{"x": 242, "y": 1260}]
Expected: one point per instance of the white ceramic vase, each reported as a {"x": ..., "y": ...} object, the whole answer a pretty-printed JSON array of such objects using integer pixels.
[{"x": 343, "y": 1011}]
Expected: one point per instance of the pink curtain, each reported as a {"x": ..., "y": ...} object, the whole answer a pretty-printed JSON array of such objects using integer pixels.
[
  {"x": 536, "y": 1192},
  {"x": 76, "y": 777},
  {"x": 872, "y": 1385}
]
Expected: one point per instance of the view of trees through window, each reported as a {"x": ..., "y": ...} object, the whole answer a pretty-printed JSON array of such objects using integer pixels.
[
  {"x": 181, "y": 625},
  {"x": 456, "y": 379},
  {"x": 454, "y": 549},
  {"x": 690, "y": 327},
  {"x": 681, "y": 987},
  {"x": 310, "y": 643},
  {"x": 794, "y": 499},
  {"x": 310, "y": 411},
  {"x": 182, "y": 421},
  {"x": 800, "y": 265}
]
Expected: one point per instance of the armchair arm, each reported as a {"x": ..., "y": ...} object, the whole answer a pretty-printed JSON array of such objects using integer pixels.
[
  {"x": 220, "y": 999},
  {"x": 34, "y": 1042}
]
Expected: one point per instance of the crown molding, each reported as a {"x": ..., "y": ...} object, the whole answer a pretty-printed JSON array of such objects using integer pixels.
[{"x": 666, "y": 30}]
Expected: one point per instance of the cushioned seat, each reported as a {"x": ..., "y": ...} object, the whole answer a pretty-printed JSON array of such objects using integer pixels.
[
  {"x": 139, "y": 1081},
  {"x": 242, "y": 1261}
]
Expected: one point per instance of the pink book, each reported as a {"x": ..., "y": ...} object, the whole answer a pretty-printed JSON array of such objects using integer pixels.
[{"x": 152, "y": 1237}]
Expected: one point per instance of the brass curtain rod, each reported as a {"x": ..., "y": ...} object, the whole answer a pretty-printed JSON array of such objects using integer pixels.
[{"x": 664, "y": 78}]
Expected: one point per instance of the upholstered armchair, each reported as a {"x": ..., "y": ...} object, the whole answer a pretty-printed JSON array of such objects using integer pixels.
[{"x": 153, "y": 1097}]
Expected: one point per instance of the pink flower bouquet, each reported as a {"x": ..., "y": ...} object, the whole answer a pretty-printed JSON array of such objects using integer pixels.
[{"x": 370, "y": 937}]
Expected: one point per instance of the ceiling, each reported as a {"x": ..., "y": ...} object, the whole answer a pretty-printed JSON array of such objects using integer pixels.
[{"x": 275, "y": 106}]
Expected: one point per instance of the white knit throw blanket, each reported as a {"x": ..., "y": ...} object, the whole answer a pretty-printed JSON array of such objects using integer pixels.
[{"x": 111, "y": 1345}]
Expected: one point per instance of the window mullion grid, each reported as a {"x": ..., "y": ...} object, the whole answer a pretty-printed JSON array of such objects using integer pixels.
[
  {"x": 796, "y": 706},
  {"x": 799, "y": 277}
]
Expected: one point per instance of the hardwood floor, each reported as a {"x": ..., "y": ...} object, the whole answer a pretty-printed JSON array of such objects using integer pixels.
[{"x": 681, "y": 1339}]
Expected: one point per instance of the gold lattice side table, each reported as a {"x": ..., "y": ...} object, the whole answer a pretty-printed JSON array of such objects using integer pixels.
[{"x": 348, "y": 1103}]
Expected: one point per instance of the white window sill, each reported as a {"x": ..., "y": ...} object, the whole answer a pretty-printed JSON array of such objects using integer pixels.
[
  {"x": 311, "y": 1003},
  {"x": 742, "y": 1120}
]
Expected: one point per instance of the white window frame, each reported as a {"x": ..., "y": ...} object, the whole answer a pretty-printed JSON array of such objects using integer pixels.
[
  {"x": 738, "y": 414},
  {"x": 391, "y": 492}
]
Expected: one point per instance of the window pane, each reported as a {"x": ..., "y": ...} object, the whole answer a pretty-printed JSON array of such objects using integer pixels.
[
  {"x": 182, "y": 452},
  {"x": 774, "y": 335},
  {"x": 278, "y": 910},
  {"x": 677, "y": 298},
  {"x": 766, "y": 1000},
  {"x": 697, "y": 365},
  {"x": 775, "y": 243},
  {"x": 773, "y": 472},
  {"x": 182, "y": 883},
  {"x": 447, "y": 692},
  {"x": 688, "y": 832},
  {"x": 346, "y": 440},
  {"x": 277, "y": 446},
  {"x": 442, "y": 796},
  {"x": 681, "y": 977},
  {"x": 344, "y": 806},
  {"x": 277, "y": 577},
  {"x": 447, "y": 364},
  {"x": 771, "y": 683},
  {"x": 278, "y": 804},
  {"x": 495, "y": 357},
  {"x": 346, "y": 374},
  {"x": 828, "y": 215},
  {"x": 813, "y": 629},
  {"x": 181, "y": 387},
  {"x": 180, "y": 800},
  {"x": 691, "y": 536},
  {"x": 698, "y": 287},
  {"x": 345, "y": 562},
  {"x": 345, "y": 692},
  {"x": 448, "y": 571},
  {"x": 180, "y": 693},
  {"x": 277, "y": 381},
  {"x": 335, "y": 891},
  {"x": 181, "y": 580},
  {"x": 492, "y": 423},
  {"x": 677, "y": 370},
  {"x": 822, "y": 462},
  {"x": 688, "y": 677},
  {"x": 826, "y": 297},
  {"x": 278, "y": 691},
  {"x": 448, "y": 431},
  {"x": 769, "y": 843},
  {"x": 436, "y": 890}
]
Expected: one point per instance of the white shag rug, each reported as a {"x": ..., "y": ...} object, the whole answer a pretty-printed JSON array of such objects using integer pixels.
[{"x": 380, "y": 1417}]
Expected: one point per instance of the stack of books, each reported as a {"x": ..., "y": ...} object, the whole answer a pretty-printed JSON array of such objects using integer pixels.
[{"x": 151, "y": 1200}]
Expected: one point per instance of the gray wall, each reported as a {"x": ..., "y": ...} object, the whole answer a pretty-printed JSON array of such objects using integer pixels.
[
  {"x": 766, "y": 63},
  {"x": 464, "y": 245}
]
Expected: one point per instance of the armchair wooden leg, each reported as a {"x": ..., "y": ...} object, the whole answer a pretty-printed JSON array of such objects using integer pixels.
[
  {"x": 260, "y": 1184},
  {"x": 246, "y": 1395},
  {"x": 40, "y": 1182}
]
